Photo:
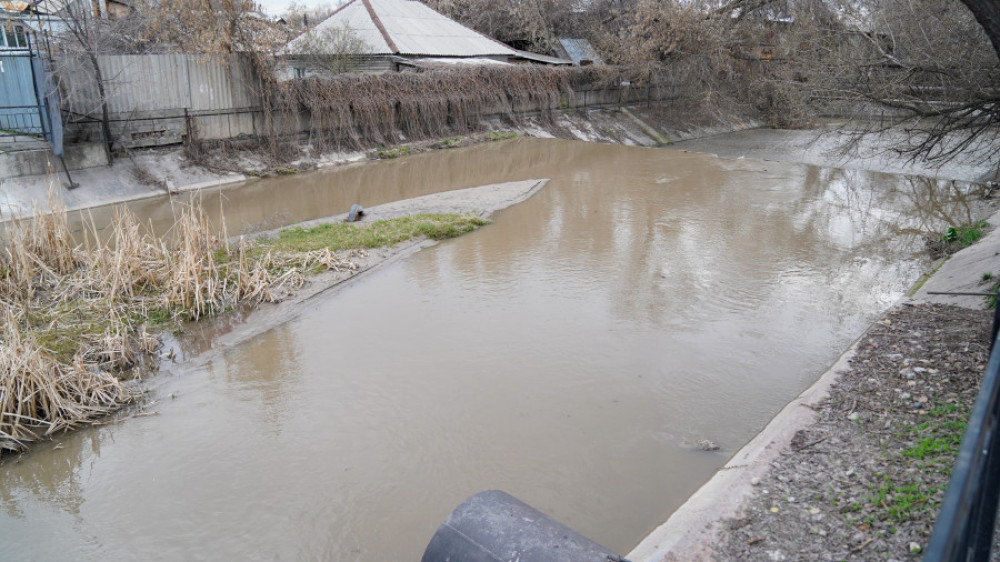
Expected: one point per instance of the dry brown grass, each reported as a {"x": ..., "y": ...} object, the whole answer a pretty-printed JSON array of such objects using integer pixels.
[
  {"x": 40, "y": 395},
  {"x": 358, "y": 111},
  {"x": 79, "y": 318}
]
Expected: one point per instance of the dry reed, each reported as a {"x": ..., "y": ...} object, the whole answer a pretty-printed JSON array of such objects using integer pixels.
[
  {"x": 77, "y": 316},
  {"x": 40, "y": 395}
]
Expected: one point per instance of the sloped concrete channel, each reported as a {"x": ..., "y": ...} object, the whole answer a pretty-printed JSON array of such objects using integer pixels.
[{"x": 574, "y": 353}]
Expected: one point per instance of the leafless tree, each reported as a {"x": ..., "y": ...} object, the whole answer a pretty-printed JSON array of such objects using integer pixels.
[
  {"x": 987, "y": 13},
  {"x": 331, "y": 49},
  {"x": 925, "y": 65},
  {"x": 301, "y": 17},
  {"x": 921, "y": 74},
  {"x": 85, "y": 35},
  {"x": 532, "y": 25}
]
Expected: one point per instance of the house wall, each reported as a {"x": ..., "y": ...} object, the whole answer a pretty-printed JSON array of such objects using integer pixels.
[{"x": 308, "y": 67}]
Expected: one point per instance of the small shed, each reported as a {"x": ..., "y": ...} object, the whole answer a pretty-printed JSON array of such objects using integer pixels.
[{"x": 580, "y": 51}]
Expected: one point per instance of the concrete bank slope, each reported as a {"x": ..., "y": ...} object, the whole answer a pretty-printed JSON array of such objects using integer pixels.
[
  {"x": 692, "y": 531},
  {"x": 155, "y": 172},
  {"x": 148, "y": 173},
  {"x": 964, "y": 272},
  {"x": 485, "y": 200},
  {"x": 833, "y": 148}
]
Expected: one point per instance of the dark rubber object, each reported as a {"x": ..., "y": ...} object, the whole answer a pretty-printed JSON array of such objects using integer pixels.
[{"x": 493, "y": 526}]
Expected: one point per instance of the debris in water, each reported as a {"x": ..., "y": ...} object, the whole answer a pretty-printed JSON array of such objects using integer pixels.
[{"x": 706, "y": 445}]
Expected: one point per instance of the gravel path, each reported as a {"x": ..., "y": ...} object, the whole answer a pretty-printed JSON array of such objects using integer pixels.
[{"x": 866, "y": 480}]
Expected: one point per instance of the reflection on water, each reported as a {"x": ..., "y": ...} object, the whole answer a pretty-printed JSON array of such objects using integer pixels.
[{"x": 568, "y": 354}]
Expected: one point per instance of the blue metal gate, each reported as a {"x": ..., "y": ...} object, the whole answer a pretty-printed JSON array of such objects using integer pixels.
[
  {"x": 29, "y": 102},
  {"x": 20, "y": 111}
]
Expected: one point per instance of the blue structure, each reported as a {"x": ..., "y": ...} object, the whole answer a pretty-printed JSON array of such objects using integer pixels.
[{"x": 19, "y": 111}]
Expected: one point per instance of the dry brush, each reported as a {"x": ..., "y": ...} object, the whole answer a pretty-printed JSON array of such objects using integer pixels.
[
  {"x": 79, "y": 316},
  {"x": 352, "y": 111}
]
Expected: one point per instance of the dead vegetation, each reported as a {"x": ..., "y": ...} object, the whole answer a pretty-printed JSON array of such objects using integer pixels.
[
  {"x": 79, "y": 317},
  {"x": 364, "y": 111}
]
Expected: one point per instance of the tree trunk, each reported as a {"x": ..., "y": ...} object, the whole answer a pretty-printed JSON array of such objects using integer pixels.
[
  {"x": 105, "y": 113},
  {"x": 987, "y": 13}
]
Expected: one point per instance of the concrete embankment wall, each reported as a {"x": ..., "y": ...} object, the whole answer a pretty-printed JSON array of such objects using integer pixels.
[
  {"x": 164, "y": 100},
  {"x": 157, "y": 100},
  {"x": 38, "y": 160}
]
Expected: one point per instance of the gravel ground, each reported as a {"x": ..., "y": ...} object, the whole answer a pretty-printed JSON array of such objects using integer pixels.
[{"x": 866, "y": 480}]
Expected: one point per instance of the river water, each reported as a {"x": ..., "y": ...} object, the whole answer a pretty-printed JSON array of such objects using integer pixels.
[{"x": 573, "y": 354}]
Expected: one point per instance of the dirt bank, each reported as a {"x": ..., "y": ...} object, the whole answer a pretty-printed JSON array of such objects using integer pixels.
[{"x": 855, "y": 467}]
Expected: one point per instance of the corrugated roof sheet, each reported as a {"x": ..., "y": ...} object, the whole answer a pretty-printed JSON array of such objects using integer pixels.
[
  {"x": 555, "y": 61},
  {"x": 578, "y": 50},
  {"x": 406, "y": 27}
]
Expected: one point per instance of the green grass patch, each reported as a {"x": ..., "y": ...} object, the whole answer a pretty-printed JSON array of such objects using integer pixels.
[
  {"x": 964, "y": 235},
  {"x": 391, "y": 153},
  {"x": 931, "y": 446},
  {"x": 938, "y": 439},
  {"x": 501, "y": 135},
  {"x": 378, "y": 234},
  {"x": 898, "y": 502},
  {"x": 994, "y": 286}
]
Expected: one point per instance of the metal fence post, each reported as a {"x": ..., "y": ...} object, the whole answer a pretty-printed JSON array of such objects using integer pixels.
[{"x": 967, "y": 519}]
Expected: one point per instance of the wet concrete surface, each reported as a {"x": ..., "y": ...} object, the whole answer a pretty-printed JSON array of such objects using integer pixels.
[
  {"x": 572, "y": 354},
  {"x": 830, "y": 147}
]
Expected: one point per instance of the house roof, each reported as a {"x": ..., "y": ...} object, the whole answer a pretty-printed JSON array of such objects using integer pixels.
[
  {"x": 14, "y": 6},
  {"x": 404, "y": 27}
]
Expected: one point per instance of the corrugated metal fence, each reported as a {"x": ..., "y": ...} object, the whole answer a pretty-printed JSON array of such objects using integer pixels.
[{"x": 154, "y": 99}]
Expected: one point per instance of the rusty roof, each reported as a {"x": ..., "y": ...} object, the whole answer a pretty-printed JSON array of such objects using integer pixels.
[{"x": 14, "y": 5}]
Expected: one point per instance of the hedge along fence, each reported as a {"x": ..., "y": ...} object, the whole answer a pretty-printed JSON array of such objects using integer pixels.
[{"x": 360, "y": 111}]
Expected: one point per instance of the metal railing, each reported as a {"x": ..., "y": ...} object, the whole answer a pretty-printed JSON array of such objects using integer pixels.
[
  {"x": 965, "y": 524},
  {"x": 20, "y": 121}
]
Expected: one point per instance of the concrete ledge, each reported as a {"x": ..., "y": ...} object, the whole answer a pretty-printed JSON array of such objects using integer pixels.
[
  {"x": 40, "y": 161},
  {"x": 964, "y": 270}
]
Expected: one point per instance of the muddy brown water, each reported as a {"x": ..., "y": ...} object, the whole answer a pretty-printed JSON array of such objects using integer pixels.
[{"x": 573, "y": 354}]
